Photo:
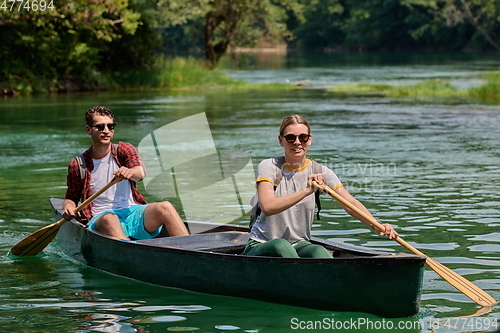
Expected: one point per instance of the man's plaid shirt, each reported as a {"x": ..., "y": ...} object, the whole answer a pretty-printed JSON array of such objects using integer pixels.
[{"x": 78, "y": 189}]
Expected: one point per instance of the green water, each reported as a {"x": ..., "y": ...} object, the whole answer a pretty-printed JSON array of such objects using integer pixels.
[{"x": 428, "y": 166}]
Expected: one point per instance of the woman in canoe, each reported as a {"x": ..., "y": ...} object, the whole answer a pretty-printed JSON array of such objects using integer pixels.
[{"x": 282, "y": 226}]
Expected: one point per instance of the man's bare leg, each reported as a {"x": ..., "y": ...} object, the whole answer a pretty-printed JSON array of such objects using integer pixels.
[
  {"x": 164, "y": 213},
  {"x": 109, "y": 225}
]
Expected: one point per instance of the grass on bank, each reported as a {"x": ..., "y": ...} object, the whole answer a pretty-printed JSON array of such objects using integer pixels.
[
  {"x": 170, "y": 73},
  {"x": 359, "y": 88},
  {"x": 181, "y": 74},
  {"x": 490, "y": 89},
  {"x": 427, "y": 88},
  {"x": 191, "y": 74},
  {"x": 167, "y": 73}
]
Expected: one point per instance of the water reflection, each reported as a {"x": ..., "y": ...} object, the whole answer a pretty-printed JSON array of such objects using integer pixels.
[{"x": 460, "y": 70}]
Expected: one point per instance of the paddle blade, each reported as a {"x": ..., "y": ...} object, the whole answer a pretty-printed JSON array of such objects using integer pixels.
[
  {"x": 37, "y": 241},
  {"x": 33, "y": 244},
  {"x": 465, "y": 286}
]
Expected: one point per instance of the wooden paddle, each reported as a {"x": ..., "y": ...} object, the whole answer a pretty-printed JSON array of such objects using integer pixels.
[
  {"x": 456, "y": 280},
  {"x": 33, "y": 244}
]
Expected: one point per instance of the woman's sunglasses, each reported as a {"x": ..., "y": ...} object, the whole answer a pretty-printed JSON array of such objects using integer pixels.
[
  {"x": 100, "y": 127},
  {"x": 291, "y": 138}
]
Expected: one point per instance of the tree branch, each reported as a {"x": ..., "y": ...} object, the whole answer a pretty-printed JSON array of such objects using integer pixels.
[{"x": 475, "y": 23}]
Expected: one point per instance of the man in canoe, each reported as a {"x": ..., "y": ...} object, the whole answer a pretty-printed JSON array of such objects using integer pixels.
[
  {"x": 282, "y": 226},
  {"x": 121, "y": 211}
]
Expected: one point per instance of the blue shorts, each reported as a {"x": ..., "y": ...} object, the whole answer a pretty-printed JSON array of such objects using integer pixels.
[{"x": 132, "y": 221}]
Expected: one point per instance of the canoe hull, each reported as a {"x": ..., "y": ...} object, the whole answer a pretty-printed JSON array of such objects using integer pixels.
[{"x": 353, "y": 283}]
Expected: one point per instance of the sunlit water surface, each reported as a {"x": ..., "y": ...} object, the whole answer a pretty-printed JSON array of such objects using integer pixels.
[{"x": 428, "y": 166}]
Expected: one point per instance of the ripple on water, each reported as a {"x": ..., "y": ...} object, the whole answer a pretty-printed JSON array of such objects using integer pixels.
[
  {"x": 227, "y": 327},
  {"x": 164, "y": 319},
  {"x": 450, "y": 224},
  {"x": 485, "y": 248},
  {"x": 31, "y": 221},
  {"x": 435, "y": 246},
  {"x": 381, "y": 245},
  {"x": 472, "y": 261},
  {"x": 172, "y": 308},
  {"x": 417, "y": 228},
  {"x": 491, "y": 237},
  {"x": 488, "y": 220},
  {"x": 38, "y": 286},
  {"x": 182, "y": 329}
]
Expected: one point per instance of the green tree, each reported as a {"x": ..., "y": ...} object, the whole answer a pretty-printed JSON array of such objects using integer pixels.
[
  {"x": 231, "y": 22},
  {"x": 323, "y": 24},
  {"x": 62, "y": 46},
  {"x": 377, "y": 24},
  {"x": 483, "y": 15}
]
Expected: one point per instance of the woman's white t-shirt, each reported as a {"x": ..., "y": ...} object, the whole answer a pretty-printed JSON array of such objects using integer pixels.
[{"x": 293, "y": 224}]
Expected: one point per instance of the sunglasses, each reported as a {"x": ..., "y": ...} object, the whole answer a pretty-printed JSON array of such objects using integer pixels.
[
  {"x": 291, "y": 138},
  {"x": 100, "y": 127}
]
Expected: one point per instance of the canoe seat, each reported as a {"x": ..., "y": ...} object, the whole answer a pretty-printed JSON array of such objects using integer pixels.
[{"x": 229, "y": 242}]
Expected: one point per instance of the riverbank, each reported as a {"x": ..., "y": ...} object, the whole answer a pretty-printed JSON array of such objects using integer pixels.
[
  {"x": 166, "y": 74},
  {"x": 426, "y": 88},
  {"x": 171, "y": 74}
]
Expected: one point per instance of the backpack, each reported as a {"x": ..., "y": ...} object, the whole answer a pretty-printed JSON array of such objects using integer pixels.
[{"x": 256, "y": 210}]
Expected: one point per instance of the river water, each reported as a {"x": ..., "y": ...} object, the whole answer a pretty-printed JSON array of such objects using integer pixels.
[{"x": 428, "y": 166}]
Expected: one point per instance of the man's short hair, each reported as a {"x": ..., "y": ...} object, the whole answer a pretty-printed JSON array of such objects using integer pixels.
[{"x": 97, "y": 110}]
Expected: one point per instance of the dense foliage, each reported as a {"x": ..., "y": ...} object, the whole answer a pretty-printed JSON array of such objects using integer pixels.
[
  {"x": 79, "y": 44},
  {"x": 362, "y": 25},
  {"x": 62, "y": 48}
]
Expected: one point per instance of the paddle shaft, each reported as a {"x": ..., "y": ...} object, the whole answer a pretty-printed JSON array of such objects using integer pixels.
[
  {"x": 370, "y": 219},
  {"x": 93, "y": 197},
  {"x": 34, "y": 243},
  {"x": 463, "y": 285}
]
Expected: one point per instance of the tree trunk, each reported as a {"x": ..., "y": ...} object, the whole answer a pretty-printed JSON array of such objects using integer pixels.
[
  {"x": 210, "y": 25},
  {"x": 214, "y": 51},
  {"x": 474, "y": 22},
  {"x": 228, "y": 15}
]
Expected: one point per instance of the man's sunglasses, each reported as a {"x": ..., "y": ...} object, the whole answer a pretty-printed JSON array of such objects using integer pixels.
[
  {"x": 291, "y": 138},
  {"x": 100, "y": 127}
]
